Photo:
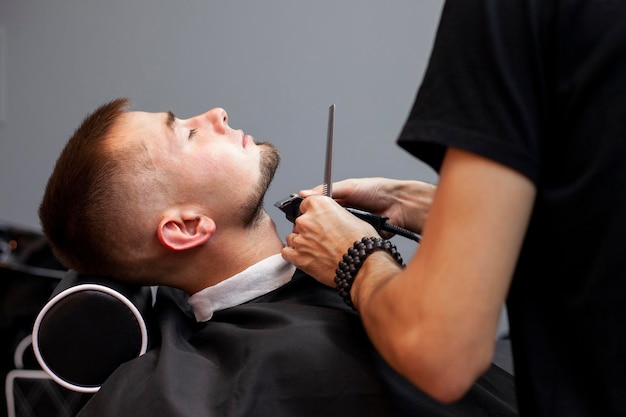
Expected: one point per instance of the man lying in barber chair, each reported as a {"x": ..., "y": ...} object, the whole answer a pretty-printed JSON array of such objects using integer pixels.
[{"x": 154, "y": 200}]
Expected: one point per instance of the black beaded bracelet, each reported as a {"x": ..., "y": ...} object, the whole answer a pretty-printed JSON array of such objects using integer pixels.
[{"x": 351, "y": 263}]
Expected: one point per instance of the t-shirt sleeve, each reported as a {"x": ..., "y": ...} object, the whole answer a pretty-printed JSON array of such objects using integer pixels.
[{"x": 483, "y": 90}]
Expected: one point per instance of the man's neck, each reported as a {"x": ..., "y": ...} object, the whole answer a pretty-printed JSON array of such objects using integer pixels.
[{"x": 230, "y": 252}]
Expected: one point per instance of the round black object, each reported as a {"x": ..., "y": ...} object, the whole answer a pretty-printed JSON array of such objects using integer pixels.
[{"x": 85, "y": 332}]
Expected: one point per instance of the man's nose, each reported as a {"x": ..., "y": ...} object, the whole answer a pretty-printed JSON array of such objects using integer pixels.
[{"x": 218, "y": 118}]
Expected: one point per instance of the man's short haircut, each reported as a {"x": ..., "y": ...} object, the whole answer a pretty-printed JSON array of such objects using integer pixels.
[{"x": 79, "y": 209}]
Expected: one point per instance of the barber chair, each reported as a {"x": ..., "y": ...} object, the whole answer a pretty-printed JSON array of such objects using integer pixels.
[{"x": 89, "y": 326}]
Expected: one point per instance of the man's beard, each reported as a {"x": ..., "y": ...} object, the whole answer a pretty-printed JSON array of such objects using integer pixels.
[{"x": 252, "y": 210}]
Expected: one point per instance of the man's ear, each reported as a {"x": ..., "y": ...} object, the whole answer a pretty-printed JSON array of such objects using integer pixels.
[{"x": 180, "y": 231}]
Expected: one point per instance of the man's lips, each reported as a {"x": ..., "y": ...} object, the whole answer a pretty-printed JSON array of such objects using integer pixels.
[{"x": 246, "y": 139}]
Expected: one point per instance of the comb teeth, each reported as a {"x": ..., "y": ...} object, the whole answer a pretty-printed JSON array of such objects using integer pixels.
[{"x": 325, "y": 189}]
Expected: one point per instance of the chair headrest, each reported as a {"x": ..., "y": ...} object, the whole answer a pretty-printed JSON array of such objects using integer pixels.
[{"x": 89, "y": 327}]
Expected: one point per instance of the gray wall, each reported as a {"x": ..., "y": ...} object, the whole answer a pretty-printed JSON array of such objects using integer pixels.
[{"x": 274, "y": 65}]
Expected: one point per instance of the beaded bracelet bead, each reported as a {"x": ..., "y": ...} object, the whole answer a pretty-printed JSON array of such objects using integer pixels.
[{"x": 351, "y": 262}]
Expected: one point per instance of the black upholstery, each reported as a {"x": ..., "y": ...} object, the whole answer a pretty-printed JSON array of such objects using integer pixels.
[{"x": 89, "y": 327}]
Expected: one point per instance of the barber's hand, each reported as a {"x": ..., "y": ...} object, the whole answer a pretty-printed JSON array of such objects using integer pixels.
[
  {"x": 321, "y": 235},
  {"x": 406, "y": 203}
]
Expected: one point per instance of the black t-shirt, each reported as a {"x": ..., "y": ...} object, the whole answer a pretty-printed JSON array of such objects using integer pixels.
[{"x": 540, "y": 86}]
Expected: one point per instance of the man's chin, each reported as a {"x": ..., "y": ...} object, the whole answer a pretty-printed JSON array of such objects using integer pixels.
[{"x": 270, "y": 158}]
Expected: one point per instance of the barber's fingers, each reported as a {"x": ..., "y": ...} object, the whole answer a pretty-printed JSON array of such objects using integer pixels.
[
  {"x": 317, "y": 203},
  {"x": 322, "y": 217},
  {"x": 344, "y": 188},
  {"x": 340, "y": 189},
  {"x": 310, "y": 259},
  {"x": 319, "y": 189},
  {"x": 290, "y": 252},
  {"x": 290, "y": 240}
]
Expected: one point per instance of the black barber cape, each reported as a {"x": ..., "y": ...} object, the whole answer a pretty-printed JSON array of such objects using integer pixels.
[{"x": 297, "y": 351}]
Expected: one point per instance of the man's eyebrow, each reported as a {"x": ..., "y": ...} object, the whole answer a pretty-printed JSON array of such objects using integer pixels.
[{"x": 170, "y": 120}]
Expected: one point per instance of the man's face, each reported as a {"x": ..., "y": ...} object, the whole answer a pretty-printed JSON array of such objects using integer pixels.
[{"x": 202, "y": 162}]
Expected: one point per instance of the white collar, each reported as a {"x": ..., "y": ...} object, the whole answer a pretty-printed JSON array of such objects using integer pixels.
[{"x": 257, "y": 280}]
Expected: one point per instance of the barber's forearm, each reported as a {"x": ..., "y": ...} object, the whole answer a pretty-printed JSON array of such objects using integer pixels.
[
  {"x": 379, "y": 313},
  {"x": 375, "y": 272},
  {"x": 394, "y": 325},
  {"x": 415, "y": 342}
]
